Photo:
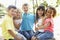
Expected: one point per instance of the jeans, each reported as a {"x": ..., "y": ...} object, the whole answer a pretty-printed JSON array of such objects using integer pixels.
[
  {"x": 20, "y": 36},
  {"x": 44, "y": 35},
  {"x": 27, "y": 34}
]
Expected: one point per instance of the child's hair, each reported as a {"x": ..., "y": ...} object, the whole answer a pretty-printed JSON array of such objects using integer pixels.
[
  {"x": 18, "y": 10},
  {"x": 25, "y": 4},
  {"x": 54, "y": 10},
  {"x": 11, "y": 6},
  {"x": 43, "y": 9}
]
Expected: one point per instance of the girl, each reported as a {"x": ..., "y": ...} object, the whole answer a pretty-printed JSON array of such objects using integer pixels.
[
  {"x": 47, "y": 25},
  {"x": 17, "y": 20},
  {"x": 40, "y": 13}
]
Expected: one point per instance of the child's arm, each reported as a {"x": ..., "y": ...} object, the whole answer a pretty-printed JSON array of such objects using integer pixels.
[
  {"x": 10, "y": 30},
  {"x": 16, "y": 25},
  {"x": 37, "y": 28},
  {"x": 14, "y": 35},
  {"x": 45, "y": 26}
]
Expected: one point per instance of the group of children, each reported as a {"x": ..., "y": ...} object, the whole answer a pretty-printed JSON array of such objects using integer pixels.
[
  {"x": 44, "y": 23},
  {"x": 19, "y": 26}
]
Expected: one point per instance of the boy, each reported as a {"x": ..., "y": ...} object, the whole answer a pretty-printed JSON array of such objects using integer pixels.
[
  {"x": 27, "y": 23},
  {"x": 8, "y": 29}
]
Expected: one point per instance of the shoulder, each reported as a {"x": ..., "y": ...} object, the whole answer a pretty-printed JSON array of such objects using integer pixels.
[
  {"x": 49, "y": 20},
  {"x": 32, "y": 14},
  {"x": 22, "y": 14},
  {"x": 8, "y": 18}
]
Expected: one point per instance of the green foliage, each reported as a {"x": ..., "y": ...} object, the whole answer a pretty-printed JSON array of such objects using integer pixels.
[
  {"x": 45, "y": 4},
  {"x": 58, "y": 3},
  {"x": 2, "y": 10}
]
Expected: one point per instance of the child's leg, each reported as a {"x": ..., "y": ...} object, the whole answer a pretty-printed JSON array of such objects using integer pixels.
[
  {"x": 31, "y": 33},
  {"x": 20, "y": 36},
  {"x": 33, "y": 38},
  {"x": 45, "y": 36},
  {"x": 25, "y": 33},
  {"x": 35, "y": 35}
]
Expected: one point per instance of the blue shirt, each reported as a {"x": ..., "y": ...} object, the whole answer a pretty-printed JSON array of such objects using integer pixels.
[{"x": 27, "y": 22}]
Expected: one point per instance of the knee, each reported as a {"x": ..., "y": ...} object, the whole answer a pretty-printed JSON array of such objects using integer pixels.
[
  {"x": 24, "y": 38},
  {"x": 27, "y": 36},
  {"x": 33, "y": 38}
]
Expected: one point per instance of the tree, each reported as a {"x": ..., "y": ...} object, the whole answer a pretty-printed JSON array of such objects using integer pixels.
[
  {"x": 58, "y": 3},
  {"x": 2, "y": 10}
]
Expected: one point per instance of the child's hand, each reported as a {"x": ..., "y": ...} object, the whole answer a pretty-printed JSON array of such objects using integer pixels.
[
  {"x": 19, "y": 38},
  {"x": 37, "y": 28}
]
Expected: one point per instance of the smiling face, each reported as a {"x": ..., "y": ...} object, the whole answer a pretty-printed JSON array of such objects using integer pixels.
[
  {"x": 40, "y": 12},
  {"x": 49, "y": 13},
  {"x": 12, "y": 12},
  {"x": 25, "y": 8},
  {"x": 18, "y": 14}
]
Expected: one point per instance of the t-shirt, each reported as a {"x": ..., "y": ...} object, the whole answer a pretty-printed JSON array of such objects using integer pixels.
[
  {"x": 39, "y": 23},
  {"x": 7, "y": 25},
  {"x": 18, "y": 21},
  {"x": 28, "y": 20},
  {"x": 49, "y": 28}
]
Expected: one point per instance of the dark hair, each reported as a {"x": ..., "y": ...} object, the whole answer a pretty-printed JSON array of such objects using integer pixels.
[
  {"x": 11, "y": 6},
  {"x": 25, "y": 4},
  {"x": 43, "y": 9},
  {"x": 54, "y": 10}
]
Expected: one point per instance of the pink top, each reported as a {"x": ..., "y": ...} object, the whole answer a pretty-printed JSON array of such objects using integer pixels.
[{"x": 49, "y": 28}]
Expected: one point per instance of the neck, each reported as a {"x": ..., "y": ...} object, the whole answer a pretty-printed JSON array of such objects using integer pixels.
[
  {"x": 41, "y": 17},
  {"x": 48, "y": 17},
  {"x": 9, "y": 15},
  {"x": 26, "y": 11}
]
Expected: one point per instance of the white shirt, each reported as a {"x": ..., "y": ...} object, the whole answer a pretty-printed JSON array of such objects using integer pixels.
[
  {"x": 19, "y": 21},
  {"x": 39, "y": 23}
]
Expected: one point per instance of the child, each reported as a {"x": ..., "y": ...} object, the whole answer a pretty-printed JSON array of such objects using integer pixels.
[
  {"x": 47, "y": 26},
  {"x": 17, "y": 20},
  {"x": 8, "y": 29},
  {"x": 40, "y": 13},
  {"x": 39, "y": 17},
  {"x": 28, "y": 20}
]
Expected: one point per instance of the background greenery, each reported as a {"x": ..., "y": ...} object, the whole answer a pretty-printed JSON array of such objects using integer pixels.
[{"x": 35, "y": 3}]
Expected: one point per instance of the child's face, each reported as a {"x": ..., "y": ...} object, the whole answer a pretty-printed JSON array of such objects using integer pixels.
[
  {"x": 18, "y": 14},
  {"x": 40, "y": 12},
  {"x": 12, "y": 12},
  {"x": 25, "y": 8},
  {"x": 49, "y": 13}
]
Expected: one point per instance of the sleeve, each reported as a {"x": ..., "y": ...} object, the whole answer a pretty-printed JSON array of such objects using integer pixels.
[
  {"x": 49, "y": 20},
  {"x": 8, "y": 25}
]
